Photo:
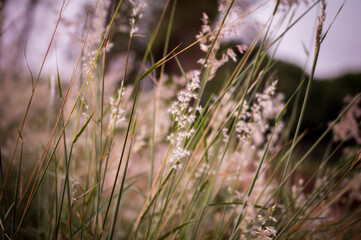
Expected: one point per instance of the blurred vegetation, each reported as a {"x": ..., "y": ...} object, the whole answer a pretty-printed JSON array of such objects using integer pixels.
[
  {"x": 324, "y": 103},
  {"x": 325, "y": 99},
  {"x": 326, "y": 96}
]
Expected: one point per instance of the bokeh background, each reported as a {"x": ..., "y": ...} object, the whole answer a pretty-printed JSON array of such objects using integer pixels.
[{"x": 27, "y": 26}]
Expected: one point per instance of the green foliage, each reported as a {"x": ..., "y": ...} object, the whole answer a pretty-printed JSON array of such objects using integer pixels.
[{"x": 216, "y": 153}]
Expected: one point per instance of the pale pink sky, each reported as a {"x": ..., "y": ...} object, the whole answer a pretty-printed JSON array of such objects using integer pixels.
[{"x": 341, "y": 50}]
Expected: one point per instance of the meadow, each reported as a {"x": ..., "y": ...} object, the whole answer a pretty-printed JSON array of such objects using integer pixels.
[{"x": 159, "y": 146}]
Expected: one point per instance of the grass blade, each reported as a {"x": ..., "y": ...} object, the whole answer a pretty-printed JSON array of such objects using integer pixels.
[{"x": 82, "y": 129}]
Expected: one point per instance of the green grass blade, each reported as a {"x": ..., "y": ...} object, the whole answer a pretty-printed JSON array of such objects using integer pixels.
[
  {"x": 82, "y": 129},
  {"x": 16, "y": 193},
  {"x": 174, "y": 230}
]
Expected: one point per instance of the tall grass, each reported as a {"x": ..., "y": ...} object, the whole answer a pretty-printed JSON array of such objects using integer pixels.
[{"x": 177, "y": 161}]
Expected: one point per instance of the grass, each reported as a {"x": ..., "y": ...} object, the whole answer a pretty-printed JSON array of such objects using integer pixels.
[{"x": 172, "y": 163}]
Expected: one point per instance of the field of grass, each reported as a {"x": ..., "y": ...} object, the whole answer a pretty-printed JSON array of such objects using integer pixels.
[{"x": 215, "y": 152}]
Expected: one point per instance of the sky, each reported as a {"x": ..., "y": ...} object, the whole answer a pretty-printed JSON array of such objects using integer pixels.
[{"x": 340, "y": 52}]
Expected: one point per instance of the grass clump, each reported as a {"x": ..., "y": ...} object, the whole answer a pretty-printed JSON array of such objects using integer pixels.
[{"x": 174, "y": 161}]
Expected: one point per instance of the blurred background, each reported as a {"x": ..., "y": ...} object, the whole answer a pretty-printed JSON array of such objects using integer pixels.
[
  {"x": 33, "y": 21},
  {"x": 27, "y": 26}
]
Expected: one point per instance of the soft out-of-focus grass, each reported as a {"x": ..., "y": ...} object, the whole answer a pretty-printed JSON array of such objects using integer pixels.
[{"x": 176, "y": 161}]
